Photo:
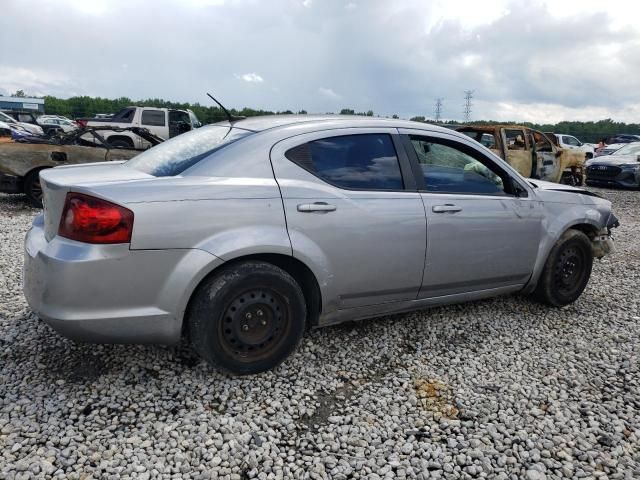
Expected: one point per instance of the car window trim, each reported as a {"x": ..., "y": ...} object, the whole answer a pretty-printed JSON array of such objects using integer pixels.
[
  {"x": 405, "y": 173},
  {"x": 477, "y": 155}
]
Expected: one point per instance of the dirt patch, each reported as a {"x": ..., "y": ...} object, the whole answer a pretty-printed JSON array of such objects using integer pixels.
[{"x": 435, "y": 397}]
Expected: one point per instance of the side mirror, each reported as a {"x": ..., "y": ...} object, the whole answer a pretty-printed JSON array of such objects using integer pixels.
[
  {"x": 638, "y": 158},
  {"x": 515, "y": 188}
]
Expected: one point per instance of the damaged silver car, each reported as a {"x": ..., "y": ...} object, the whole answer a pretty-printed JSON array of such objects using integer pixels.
[{"x": 240, "y": 235}]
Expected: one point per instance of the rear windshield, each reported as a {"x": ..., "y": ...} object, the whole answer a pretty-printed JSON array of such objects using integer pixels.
[{"x": 179, "y": 153}]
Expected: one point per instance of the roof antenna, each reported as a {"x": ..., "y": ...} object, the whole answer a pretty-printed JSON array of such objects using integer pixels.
[{"x": 230, "y": 117}]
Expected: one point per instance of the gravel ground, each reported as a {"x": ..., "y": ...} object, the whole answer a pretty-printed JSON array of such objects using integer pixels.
[{"x": 503, "y": 388}]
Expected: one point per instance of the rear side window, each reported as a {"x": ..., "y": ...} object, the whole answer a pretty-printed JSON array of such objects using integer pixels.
[
  {"x": 153, "y": 117},
  {"x": 365, "y": 161},
  {"x": 179, "y": 153}
]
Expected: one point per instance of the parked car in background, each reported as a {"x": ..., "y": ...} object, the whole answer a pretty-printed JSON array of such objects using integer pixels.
[
  {"x": 608, "y": 149},
  {"x": 163, "y": 122},
  {"x": 56, "y": 124},
  {"x": 22, "y": 161},
  {"x": 568, "y": 141},
  {"x": 619, "y": 169},
  {"x": 622, "y": 138},
  {"x": 13, "y": 131},
  {"x": 530, "y": 152},
  {"x": 29, "y": 127},
  {"x": 241, "y": 234}
]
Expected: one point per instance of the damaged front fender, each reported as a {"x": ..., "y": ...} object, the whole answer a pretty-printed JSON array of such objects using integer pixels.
[{"x": 602, "y": 245}]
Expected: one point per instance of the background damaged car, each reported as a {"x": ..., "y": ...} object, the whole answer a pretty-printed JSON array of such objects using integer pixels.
[
  {"x": 22, "y": 160},
  {"x": 530, "y": 152}
]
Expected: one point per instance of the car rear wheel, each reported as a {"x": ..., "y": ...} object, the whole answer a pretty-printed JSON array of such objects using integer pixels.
[
  {"x": 32, "y": 188},
  {"x": 247, "y": 318},
  {"x": 566, "y": 271}
]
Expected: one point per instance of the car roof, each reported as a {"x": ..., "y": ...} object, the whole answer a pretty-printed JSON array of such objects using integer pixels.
[{"x": 267, "y": 122}]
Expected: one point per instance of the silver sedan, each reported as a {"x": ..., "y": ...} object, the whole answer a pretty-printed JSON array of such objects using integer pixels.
[{"x": 240, "y": 235}]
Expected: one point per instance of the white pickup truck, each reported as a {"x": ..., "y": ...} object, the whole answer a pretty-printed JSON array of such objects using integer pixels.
[
  {"x": 163, "y": 122},
  {"x": 571, "y": 142}
]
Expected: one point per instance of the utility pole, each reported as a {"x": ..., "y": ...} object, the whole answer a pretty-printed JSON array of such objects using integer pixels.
[
  {"x": 438, "y": 109},
  {"x": 468, "y": 96}
]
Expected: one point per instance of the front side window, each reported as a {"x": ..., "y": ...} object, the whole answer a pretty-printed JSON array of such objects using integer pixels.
[
  {"x": 179, "y": 153},
  {"x": 448, "y": 169},
  {"x": 6, "y": 118},
  {"x": 363, "y": 161},
  {"x": 571, "y": 141},
  {"x": 542, "y": 143},
  {"x": 153, "y": 118}
]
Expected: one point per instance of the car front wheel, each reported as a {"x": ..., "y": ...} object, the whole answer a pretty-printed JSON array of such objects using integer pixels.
[
  {"x": 566, "y": 271},
  {"x": 247, "y": 318}
]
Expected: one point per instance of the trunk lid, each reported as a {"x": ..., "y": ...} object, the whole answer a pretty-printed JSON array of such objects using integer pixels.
[{"x": 57, "y": 182}]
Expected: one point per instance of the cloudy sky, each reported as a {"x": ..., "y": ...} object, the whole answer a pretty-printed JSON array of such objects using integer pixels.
[{"x": 541, "y": 61}]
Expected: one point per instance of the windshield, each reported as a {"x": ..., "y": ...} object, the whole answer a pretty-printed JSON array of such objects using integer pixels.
[
  {"x": 629, "y": 149},
  {"x": 179, "y": 153},
  {"x": 6, "y": 118}
]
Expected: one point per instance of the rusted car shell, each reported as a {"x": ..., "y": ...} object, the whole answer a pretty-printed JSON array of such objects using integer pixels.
[
  {"x": 19, "y": 159},
  {"x": 552, "y": 163},
  {"x": 22, "y": 160}
]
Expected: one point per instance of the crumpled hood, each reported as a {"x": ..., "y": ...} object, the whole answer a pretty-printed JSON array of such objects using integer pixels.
[{"x": 556, "y": 192}]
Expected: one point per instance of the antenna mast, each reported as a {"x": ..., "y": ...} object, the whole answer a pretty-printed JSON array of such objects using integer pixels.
[{"x": 230, "y": 117}]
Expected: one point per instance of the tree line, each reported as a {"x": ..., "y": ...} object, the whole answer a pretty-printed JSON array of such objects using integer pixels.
[{"x": 84, "y": 106}]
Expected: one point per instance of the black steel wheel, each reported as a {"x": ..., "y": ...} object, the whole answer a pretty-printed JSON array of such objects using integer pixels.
[
  {"x": 253, "y": 322},
  {"x": 566, "y": 271},
  {"x": 247, "y": 318}
]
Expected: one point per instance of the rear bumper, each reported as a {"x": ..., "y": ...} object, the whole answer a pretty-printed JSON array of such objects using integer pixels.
[{"x": 108, "y": 293}]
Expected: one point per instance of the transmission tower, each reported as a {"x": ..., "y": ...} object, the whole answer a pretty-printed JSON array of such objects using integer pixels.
[
  {"x": 468, "y": 96},
  {"x": 438, "y": 109}
]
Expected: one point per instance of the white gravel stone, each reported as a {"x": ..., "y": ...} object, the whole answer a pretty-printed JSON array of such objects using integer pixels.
[{"x": 503, "y": 388}]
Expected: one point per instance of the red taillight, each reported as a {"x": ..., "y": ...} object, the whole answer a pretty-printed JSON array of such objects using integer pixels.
[
  {"x": 82, "y": 123},
  {"x": 93, "y": 220}
]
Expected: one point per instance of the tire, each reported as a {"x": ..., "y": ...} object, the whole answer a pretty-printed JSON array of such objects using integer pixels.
[
  {"x": 32, "y": 188},
  {"x": 566, "y": 271},
  {"x": 120, "y": 143},
  {"x": 247, "y": 318}
]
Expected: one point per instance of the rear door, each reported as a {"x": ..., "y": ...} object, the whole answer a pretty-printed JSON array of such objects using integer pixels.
[
  {"x": 353, "y": 211},
  {"x": 547, "y": 162},
  {"x": 480, "y": 236},
  {"x": 517, "y": 153}
]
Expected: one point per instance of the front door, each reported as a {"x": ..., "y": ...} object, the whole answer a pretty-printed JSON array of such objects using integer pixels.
[
  {"x": 480, "y": 235},
  {"x": 352, "y": 214}
]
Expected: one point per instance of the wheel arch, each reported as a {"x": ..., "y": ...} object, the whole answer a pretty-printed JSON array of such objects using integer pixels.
[
  {"x": 300, "y": 272},
  {"x": 590, "y": 229},
  {"x": 122, "y": 137}
]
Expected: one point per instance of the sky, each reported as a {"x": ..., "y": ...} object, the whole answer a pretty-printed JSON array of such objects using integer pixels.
[{"x": 536, "y": 60}]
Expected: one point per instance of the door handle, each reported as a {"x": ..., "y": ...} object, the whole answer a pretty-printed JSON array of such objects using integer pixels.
[
  {"x": 446, "y": 208},
  {"x": 316, "y": 207}
]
